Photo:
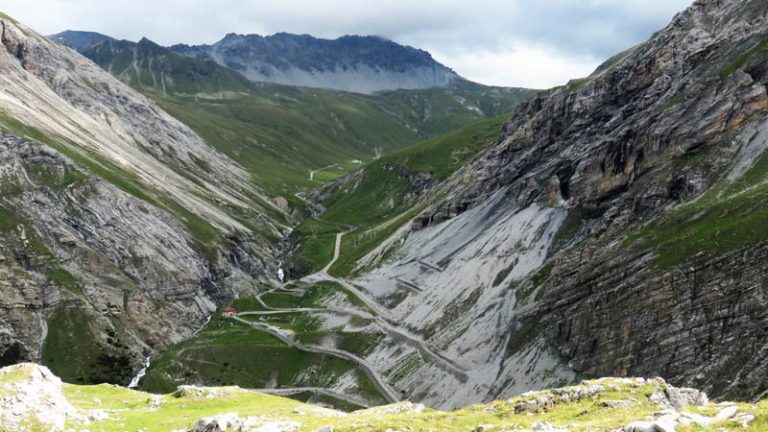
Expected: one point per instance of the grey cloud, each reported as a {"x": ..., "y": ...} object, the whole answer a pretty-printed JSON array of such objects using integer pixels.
[{"x": 570, "y": 28}]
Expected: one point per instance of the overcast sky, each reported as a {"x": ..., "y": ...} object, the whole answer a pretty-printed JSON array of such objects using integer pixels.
[{"x": 526, "y": 43}]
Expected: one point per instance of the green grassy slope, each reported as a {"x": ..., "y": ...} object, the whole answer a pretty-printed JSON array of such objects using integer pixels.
[
  {"x": 149, "y": 66},
  {"x": 382, "y": 192},
  {"x": 229, "y": 352},
  {"x": 281, "y": 134},
  {"x": 732, "y": 215}
]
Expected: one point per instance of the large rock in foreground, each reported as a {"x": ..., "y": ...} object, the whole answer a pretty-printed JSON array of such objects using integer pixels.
[{"x": 31, "y": 394}]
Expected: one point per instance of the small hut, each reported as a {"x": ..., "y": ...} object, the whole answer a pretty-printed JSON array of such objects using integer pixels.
[{"x": 229, "y": 312}]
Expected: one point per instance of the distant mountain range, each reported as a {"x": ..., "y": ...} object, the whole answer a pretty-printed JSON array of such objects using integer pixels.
[
  {"x": 360, "y": 64},
  {"x": 311, "y": 127}
]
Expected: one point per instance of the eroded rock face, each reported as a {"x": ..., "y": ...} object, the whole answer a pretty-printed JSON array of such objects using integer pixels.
[
  {"x": 649, "y": 132},
  {"x": 96, "y": 274},
  {"x": 93, "y": 275},
  {"x": 644, "y": 135}
]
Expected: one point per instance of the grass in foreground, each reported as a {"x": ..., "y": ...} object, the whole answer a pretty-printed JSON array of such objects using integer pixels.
[{"x": 608, "y": 406}]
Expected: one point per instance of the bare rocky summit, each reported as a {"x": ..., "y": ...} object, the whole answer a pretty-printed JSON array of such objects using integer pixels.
[{"x": 361, "y": 64}]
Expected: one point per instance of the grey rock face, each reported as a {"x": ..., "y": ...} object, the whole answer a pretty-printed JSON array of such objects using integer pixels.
[
  {"x": 98, "y": 273},
  {"x": 351, "y": 63},
  {"x": 648, "y": 133},
  {"x": 130, "y": 267},
  {"x": 614, "y": 150},
  {"x": 72, "y": 102}
]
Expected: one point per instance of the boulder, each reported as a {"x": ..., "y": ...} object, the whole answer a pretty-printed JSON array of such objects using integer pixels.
[{"x": 232, "y": 422}]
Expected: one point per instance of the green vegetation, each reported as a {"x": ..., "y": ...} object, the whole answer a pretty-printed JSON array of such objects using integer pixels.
[
  {"x": 672, "y": 102},
  {"x": 578, "y": 83},
  {"x": 317, "y": 239},
  {"x": 314, "y": 296},
  {"x": 358, "y": 244},
  {"x": 599, "y": 405},
  {"x": 65, "y": 279},
  {"x": 730, "y": 216},
  {"x": 279, "y": 133},
  {"x": 228, "y": 352},
  {"x": 543, "y": 274},
  {"x": 72, "y": 351},
  {"x": 150, "y": 66},
  {"x": 376, "y": 200},
  {"x": 737, "y": 64},
  {"x": 331, "y": 173},
  {"x": 9, "y": 220}
]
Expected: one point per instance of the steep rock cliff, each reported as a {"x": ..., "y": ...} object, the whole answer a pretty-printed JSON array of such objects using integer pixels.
[
  {"x": 122, "y": 230},
  {"x": 640, "y": 191}
]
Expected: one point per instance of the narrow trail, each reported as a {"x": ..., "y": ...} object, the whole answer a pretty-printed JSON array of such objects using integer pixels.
[{"x": 336, "y": 253}]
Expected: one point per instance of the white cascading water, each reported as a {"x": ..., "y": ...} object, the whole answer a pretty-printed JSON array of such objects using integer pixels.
[
  {"x": 148, "y": 361},
  {"x": 135, "y": 381}
]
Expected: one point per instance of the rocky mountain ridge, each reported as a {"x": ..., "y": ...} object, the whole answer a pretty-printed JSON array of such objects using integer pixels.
[
  {"x": 612, "y": 229},
  {"x": 361, "y": 64},
  {"x": 122, "y": 229}
]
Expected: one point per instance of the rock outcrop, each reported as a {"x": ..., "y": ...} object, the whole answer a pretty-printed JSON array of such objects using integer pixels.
[
  {"x": 122, "y": 230},
  {"x": 31, "y": 394},
  {"x": 610, "y": 231},
  {"x": 234, "y": 423},
  {"x": 127, "y": 280}
]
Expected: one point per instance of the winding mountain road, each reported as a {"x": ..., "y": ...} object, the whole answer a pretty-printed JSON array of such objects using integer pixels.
[
  {"x": 384, "y": 319},
  {"x": 388, "y": 392},
  {"x": 381, "y": 317}
]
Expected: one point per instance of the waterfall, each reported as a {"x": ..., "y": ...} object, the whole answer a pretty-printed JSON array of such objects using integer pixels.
[
  {"x": 207, "y": 320},
  {"x": 148, "y": 361},
  {"x": 135, "y": 381}
]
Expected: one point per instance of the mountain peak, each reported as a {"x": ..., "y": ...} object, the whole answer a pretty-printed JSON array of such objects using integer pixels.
[
  {"x": 80, "y": 40},
  {"x": 362, "y": 64}
]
